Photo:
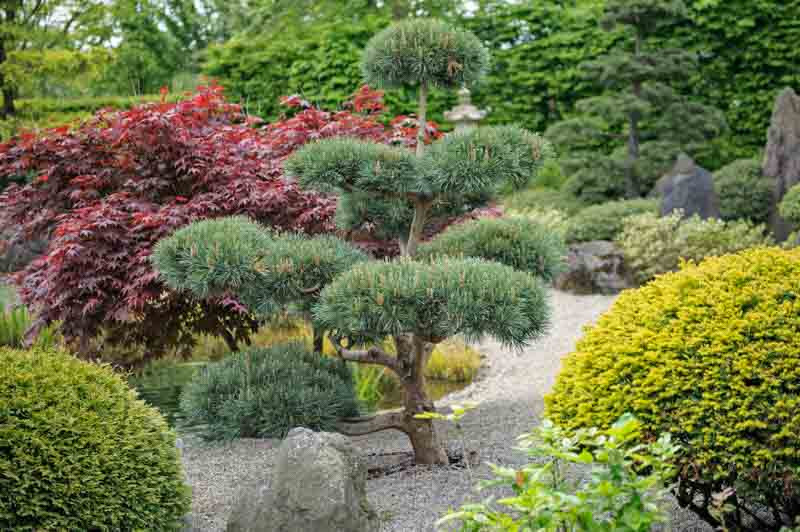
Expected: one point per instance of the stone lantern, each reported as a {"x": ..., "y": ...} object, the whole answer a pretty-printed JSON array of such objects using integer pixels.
[{"x": 464, "y": 115}]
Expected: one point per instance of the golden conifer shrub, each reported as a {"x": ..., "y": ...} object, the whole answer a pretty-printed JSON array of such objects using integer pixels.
[{"x": 710, "y": 354}]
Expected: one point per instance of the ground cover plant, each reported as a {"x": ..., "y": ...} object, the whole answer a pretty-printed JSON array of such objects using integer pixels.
[
  {"x": 416, "y": 304},
  {"x": 79, "y": 451},
  {"x": 108, "y": 190},
  {"x": 709, "y": 354}
]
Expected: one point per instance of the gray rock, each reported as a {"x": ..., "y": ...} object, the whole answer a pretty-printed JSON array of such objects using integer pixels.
[
  {"x": 689, "y": 188},
  {"x": 318, "y": 485},
  {"x": 782, "y": 155},
  {"x": 596, "y": 267}
]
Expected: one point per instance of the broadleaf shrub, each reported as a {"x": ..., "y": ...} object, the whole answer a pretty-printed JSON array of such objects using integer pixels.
[
  {"x": 653, "y": 245},
  {"x": 543, "y": 198},
  {"x": 265, "y": 392},
  {"x": 789, "y": 206},
  {"x": 710, "y": 354},
  {"x": 79, "y": 450},
  {"x": 519, "y": 242},
  {"x": 743, "y": 191},
  {"x": 108, "y": 190},
  {"x": 606, "y": 220},
  {"x": 624, "y": 491}
]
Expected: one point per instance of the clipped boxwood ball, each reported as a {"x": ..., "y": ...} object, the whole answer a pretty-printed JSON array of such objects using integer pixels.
[
  {"x": 424, "y": 51},
  {"x": 79, "y": 451},
  {"x": 265, "y": 392},
  {"x": 710, "y": 354},
  {"x": 744, "y": 192},
  {"x": 521, "y": 243}
]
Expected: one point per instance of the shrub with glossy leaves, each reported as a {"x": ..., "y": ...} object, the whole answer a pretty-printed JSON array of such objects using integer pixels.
[
  {"x": 653, "y": 245},
  {"x": 424, "y": 51},
  {"x": 521, "y": 243},
  {"x": 79, "y": 451},
  {"x": 624, "y": 492},
  {"x": 434, "y": 300},
  {"x": 265, "y": 271},
  {"x": 606, "y": 221},
  {"x": 265, "y": 392},
  {"x": 743, "y": 191},
  {"x": 789, "y": 206},
  {"x": 710, "y": 354}
]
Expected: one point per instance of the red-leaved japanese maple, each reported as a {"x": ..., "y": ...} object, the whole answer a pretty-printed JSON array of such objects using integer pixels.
[{"x": 106, "y": 191}]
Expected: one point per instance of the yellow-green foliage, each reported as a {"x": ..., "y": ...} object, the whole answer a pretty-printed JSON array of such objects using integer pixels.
[
  {"x": 710, "y": 354},
  {"x": 79, "y": 451},
  {"x": 453, "y": 361}
]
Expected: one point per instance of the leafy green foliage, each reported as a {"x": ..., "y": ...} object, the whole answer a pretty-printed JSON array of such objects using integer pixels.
[
  {"x": 789, "y": 206},
  {"x": 424, "y": 51},
  {"x": 648, "y": 121},
  {"x": 743, "y": 191},
  {"x": 265, "y": 392},
  {"x": 624, "y": 491},
  {"x": 654, "y": 245},
  {"x": 69, "y": 424},
  {"x": 543, "y": 198},
  {"x": 434, "y": 300},
  {"x": 606, "y": 221},
  {"x": 519, "y": 242},
  {"x": 710, "y": 354},
  {"x": 237, "y": 256},
  {"x": 484, "y": 159}
]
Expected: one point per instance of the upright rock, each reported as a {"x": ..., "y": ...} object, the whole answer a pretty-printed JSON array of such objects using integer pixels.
[
  {"x": 782, "y": 155},
  {"x": 596, "y": 267},
  {"x": 318, "y": 485},
  {"x": 690, "y": 188}
]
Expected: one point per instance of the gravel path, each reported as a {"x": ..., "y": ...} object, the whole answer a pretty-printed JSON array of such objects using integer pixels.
[{"x": 510, "y": 393}]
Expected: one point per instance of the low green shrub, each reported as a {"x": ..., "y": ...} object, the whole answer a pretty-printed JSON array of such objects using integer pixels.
[
  {"x": 543, "y": 198},
  {"x": 554, "y": 220},
  {"x": 743, "y": 191},
  {"x": 789, "y": 207},
  {"x": 265, "y": 392},
  {"x": 521, "y": 243},
  {"x": 710, "y": 354},
  {"x": 605, "y": 221},
  {"x": 624, "y": 491},
  {"x": 654, "y": 245},
  {"x": 79, "y": 451}
]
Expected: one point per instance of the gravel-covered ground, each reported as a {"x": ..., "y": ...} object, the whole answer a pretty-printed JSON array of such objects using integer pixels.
[{"x": 509, "y": 393}]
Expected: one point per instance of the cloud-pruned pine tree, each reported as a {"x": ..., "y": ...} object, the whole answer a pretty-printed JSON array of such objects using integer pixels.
[
  {"x": 640, "y": 119},
  {"x": 415, "y": 303}
]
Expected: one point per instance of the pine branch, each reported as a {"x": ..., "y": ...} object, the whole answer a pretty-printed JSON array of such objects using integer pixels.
[{"x": 374, "y": 355}]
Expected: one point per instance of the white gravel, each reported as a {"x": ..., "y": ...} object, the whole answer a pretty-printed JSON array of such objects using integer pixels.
[{"x": 510, "y": 396}]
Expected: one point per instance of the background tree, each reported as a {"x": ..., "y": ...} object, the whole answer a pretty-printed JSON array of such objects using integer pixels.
[
  {"x": 639, "y": 106},
  {"x": 414, "y": 304}
]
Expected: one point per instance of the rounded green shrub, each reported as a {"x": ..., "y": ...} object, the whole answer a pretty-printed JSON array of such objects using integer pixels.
[
  {"x": 424, "y": 51},
  {"x": 265, "y": 392},
  {"x": 434, "y": 300},
  {"x": 518, "y": 242},
  {"x": 605, "y": 221},
  {"x": 789, "y": 206},
  {"x": 485, "y": 159},
  {"x": 711, "y": 355},
  {"x": 743, "y": 191},
  {"x": 543, "y": 198},
  {"x": 79, "y": 451}
]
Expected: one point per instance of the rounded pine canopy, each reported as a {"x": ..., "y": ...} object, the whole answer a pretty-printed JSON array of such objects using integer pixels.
[
  {"x": 434, "y": 300},
  {"x": 429, "y": 51}
]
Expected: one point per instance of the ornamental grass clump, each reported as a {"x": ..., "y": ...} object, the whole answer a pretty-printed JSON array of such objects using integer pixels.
[
  {"x": 79, "y": 450},
  {"x": 265, "y": 392},
  {"x": 363, "y": 305},
  {"x": 710, "y": 354}
]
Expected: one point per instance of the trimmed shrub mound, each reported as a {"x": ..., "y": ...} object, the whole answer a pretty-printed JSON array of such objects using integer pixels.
[
  {"x": 265, "y": 392},
  {"x": 743, "y": 191},
  {"x": 605, "y": 221},
  {"x": 521, "y": 243},
  {"x": 710, "y": 354},
  {"x": 543, "y": 198},
  {"x": 790, "y": 205},
  {"x": 79, "y": 451}
]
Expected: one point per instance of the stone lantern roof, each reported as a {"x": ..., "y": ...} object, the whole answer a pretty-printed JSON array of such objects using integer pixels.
[{"x": 465, "y": 114}]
